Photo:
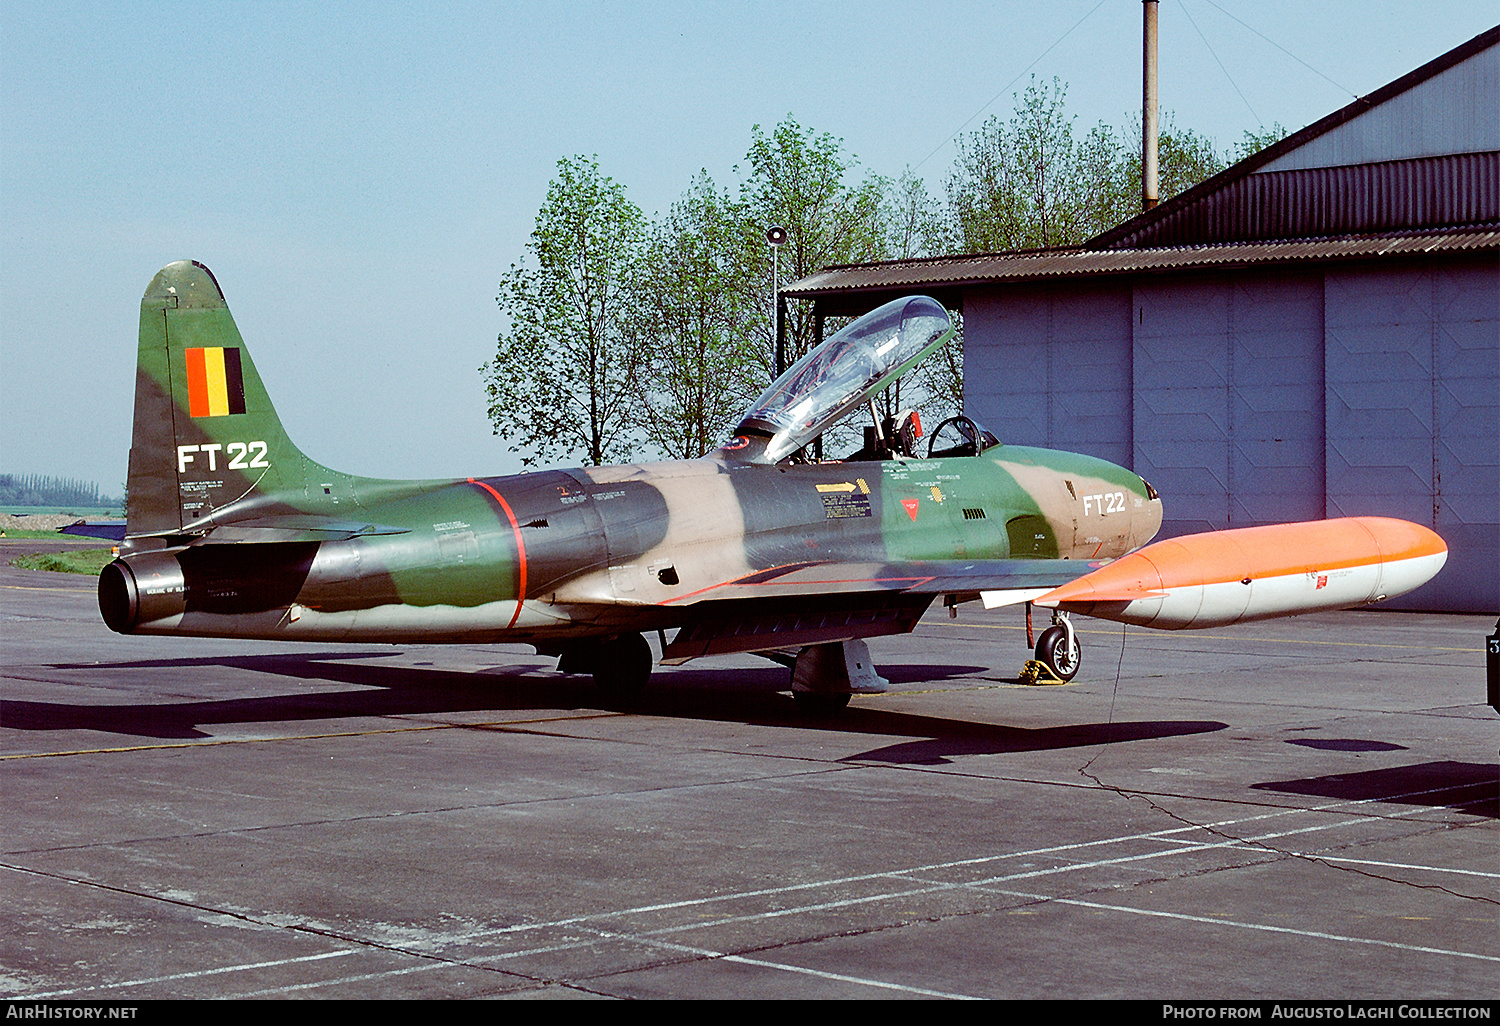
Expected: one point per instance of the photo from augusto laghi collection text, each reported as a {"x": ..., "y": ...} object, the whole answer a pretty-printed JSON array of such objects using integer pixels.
[{"x": 1409, "y": 1010}]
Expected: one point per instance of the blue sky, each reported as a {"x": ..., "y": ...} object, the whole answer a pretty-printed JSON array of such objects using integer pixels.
[{"x": 358, "y": 176}]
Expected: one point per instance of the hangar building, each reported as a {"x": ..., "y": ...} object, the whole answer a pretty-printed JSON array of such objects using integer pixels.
[{"x": 1314, "y": 332}]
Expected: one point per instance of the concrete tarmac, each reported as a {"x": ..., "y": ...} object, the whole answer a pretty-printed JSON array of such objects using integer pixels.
[{"x": 1292, "y": 809}]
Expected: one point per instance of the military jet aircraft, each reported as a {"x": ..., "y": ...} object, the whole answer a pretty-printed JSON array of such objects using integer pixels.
[{"x": 233, "y": 532}]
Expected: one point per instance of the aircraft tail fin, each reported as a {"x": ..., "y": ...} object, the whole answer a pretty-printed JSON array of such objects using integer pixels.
[{"x": 206, "y": 439}]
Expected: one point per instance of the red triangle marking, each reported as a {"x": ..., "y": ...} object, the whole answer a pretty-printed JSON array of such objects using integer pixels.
[{"x": 911, "y": 507}]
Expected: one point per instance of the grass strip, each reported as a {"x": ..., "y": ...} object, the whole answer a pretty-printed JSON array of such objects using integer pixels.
[{"x": 83, "y": 561}]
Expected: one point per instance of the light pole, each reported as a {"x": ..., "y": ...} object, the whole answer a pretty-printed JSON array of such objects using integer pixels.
[
  {"x": 1150, "y": 101},
  {"x": 776, "y": 238}
]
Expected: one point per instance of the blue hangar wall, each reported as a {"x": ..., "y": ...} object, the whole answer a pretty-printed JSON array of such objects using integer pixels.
[{"x": 1269, "y": 395}]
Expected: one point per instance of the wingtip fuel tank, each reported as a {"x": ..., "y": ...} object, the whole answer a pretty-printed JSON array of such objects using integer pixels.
[{"x": 1255, "y": 573}]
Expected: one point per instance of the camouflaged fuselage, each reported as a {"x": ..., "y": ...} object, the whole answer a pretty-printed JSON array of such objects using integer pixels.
[{"x": 601, "y": 549}]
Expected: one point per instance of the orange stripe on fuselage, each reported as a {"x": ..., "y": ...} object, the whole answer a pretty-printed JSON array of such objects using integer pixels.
[{"x": 1278, "y": 550}]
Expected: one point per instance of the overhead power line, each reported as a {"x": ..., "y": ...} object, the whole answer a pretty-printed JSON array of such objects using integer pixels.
[
  {"x": 1299, "y": 60},
  {"x": 1215, "y": 55},
  {"x": 1004, "y": 89}
]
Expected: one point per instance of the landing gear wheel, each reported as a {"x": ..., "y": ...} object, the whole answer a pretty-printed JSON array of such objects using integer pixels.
[
  {"x": 1052, "y": 649},
  {"x": 821, "y": 703},
  {"x": 622, "y": 666}
]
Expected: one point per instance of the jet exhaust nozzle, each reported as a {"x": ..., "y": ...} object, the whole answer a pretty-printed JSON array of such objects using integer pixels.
[{"x": 143, "y": 588}]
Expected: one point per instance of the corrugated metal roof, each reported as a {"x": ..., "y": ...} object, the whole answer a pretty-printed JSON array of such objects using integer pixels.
[
  {"x": 1243, "y": 216},
  {"x": 1450, "y": 191},
  {"x": 942, "y": 273},
  {"x": 1138, "y": 228}
]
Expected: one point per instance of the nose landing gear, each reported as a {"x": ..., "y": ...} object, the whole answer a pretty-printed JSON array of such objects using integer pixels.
[{"x": 1058, "y": 648}]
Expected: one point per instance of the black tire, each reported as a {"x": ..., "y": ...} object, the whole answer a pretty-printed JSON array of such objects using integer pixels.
[
  {"x": 1052, "y": 649},
  {"x": 622, "y": 665},
  {"x": 821, "y": 703}
]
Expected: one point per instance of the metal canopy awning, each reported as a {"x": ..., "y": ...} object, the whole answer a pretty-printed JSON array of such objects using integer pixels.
[{"x": 850, "y": 289}]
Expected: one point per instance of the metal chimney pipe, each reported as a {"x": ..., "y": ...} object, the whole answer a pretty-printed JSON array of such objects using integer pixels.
[{"x": 1150, "y": 193}]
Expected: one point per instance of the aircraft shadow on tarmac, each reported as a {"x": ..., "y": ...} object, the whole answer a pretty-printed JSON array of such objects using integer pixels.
[
  {"x": 1467, "y": 787},
  {"x": 753, "y": 696}
]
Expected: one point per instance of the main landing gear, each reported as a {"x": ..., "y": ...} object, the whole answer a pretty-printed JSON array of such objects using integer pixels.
[
  {"x": 620, "y": 665},
  {"x": 623, "y": 665},
  {"x": 815, "y": 703},
  {"x": 824, "y": 676},
  {"x": 1058, "y": 648}
]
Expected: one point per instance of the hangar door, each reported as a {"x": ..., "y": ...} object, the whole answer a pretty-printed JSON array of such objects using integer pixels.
[
  {"x": 1049, "y": 365},
  {"x": 1228, "y": 398},
  {"x": 1210, "y": 387}
]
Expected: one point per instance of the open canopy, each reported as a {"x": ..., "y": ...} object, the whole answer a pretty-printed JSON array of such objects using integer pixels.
[{"x": 858, "y": 362}]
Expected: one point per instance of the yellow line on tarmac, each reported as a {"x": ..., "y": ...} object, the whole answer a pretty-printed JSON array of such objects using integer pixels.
[
  {"x": 82, "y": 586},
  {"x": 499, "y": 725}
]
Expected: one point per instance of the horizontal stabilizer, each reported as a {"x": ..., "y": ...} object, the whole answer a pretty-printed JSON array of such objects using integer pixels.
[
  {"x": 294, "y": 527},
  {"x": 84, "y": 529}
]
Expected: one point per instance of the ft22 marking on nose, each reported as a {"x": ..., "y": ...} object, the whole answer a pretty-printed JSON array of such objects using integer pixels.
[{"x": 1105, "y": 504}]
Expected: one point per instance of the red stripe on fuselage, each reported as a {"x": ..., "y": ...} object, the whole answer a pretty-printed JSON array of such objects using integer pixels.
[{"x": 520, "y": 550}]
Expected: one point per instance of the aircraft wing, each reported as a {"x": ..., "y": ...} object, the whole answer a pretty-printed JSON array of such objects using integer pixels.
[
  {"x": 930, "y": 577},
  {"x": 811, "y": 603},
  {"x": 1192, "y": 581}
]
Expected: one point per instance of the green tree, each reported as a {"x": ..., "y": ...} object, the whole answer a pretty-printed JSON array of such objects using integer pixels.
[
  {"x": 1184, "y": 158},
  {"x": 698, "y": 367},
  {"x": 561, "y": 383},
  {"x": 622, "y": 332},
  {"x": 1028, "y": 183},
  {"x": 1252, "y": 142},
  {"x": 799, "y": 179},
  {"x": 915, "y": 223}
]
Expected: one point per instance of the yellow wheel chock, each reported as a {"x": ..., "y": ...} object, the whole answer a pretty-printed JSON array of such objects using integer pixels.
[{"x": 1037, "y": 672}]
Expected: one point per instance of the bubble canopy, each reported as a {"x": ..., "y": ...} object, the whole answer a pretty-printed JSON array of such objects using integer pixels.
[{"x": 858, "y": 362}]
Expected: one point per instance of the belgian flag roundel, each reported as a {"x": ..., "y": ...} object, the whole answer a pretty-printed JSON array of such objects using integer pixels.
[{"x": 215, "y": 387}]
